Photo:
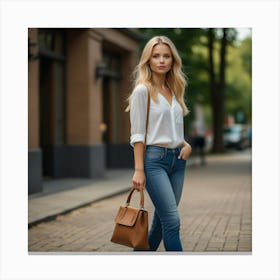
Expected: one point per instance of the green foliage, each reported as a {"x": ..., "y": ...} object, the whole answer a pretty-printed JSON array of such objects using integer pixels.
[
  {"x": 246, "y": 55},
  {"x": 239, "y": 80}
]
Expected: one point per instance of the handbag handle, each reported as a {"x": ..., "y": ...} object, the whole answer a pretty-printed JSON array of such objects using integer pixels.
[{"x": 141, "y": 200}]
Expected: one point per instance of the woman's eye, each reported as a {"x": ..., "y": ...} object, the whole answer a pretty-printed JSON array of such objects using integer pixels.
[{"x": 164, "y": 56}]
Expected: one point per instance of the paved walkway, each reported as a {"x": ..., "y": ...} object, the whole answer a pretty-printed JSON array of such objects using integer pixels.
[
  {"x": 215, "y": 212},
  {"x": 65, "y": 195}
]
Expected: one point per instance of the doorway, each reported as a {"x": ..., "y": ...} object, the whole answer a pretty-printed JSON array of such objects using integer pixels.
[{"x": 52, "y": 97}]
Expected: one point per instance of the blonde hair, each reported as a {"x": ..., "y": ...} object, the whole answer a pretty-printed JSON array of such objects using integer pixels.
[{"x": 175, "y": 78}]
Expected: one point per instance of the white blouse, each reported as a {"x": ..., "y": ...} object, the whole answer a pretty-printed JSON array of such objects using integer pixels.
[{"x": 166, "y": 124}]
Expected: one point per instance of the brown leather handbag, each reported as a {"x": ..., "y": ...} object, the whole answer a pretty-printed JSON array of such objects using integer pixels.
[{"x": 131, "y": 228}]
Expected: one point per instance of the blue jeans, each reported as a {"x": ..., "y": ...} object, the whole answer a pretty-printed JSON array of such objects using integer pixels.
[{"x": 164, "y": 183}]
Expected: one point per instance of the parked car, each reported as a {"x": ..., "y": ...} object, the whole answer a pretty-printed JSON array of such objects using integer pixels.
[{"x": 236, "y": 136}]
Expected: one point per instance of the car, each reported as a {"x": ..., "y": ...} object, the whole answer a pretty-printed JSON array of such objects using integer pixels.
[{"x": 236, "y": 136}]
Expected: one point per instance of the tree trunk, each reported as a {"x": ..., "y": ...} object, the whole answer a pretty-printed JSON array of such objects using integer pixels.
[{"x": 217, "y": 90}]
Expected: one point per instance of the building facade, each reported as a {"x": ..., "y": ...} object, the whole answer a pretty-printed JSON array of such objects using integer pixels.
[{"x": 78, "y": 83}]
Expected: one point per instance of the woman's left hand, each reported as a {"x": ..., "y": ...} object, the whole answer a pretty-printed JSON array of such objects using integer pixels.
[{"x": 185, "y": 151}]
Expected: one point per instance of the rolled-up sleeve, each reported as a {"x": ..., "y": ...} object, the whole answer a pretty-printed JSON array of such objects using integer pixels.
[{"x": 138, "y": 111}]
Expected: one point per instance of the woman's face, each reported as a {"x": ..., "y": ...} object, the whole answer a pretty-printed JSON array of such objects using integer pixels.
[{"x": 161, "y": 59}]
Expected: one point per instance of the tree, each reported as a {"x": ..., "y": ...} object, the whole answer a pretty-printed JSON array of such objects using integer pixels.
[{"x": 217, "y": 83}]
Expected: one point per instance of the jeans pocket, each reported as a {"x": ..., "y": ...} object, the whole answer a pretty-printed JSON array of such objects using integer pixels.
[{"x": 182, "y": 161}]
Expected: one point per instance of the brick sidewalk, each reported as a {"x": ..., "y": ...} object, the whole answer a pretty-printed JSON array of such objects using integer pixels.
[{"x": 215, "y": 214}]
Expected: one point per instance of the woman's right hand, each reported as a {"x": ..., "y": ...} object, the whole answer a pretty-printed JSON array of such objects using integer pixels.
[{"x": 139, "y": 180}]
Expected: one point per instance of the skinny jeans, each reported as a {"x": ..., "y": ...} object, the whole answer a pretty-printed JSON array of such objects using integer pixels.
[{"x": 164, "y": 183}]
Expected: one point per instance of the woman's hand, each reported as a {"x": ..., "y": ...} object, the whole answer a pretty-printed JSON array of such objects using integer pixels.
[
  {"x": 139, "y": 180},
  {"x": 185, "y": 151}
]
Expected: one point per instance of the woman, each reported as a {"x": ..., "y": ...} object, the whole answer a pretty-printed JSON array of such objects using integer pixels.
[{"x": 161, "y": 165}]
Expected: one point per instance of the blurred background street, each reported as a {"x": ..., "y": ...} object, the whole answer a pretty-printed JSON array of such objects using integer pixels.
[
  {"x": 215, "y": 213},
  {"x": 79, "y": 157}
]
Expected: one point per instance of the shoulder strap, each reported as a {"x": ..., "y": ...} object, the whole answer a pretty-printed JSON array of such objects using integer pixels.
[{"x": 147, "y": 117}]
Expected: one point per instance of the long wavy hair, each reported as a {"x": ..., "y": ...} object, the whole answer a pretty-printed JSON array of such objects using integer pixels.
[{"x": 175, "y": 79}]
